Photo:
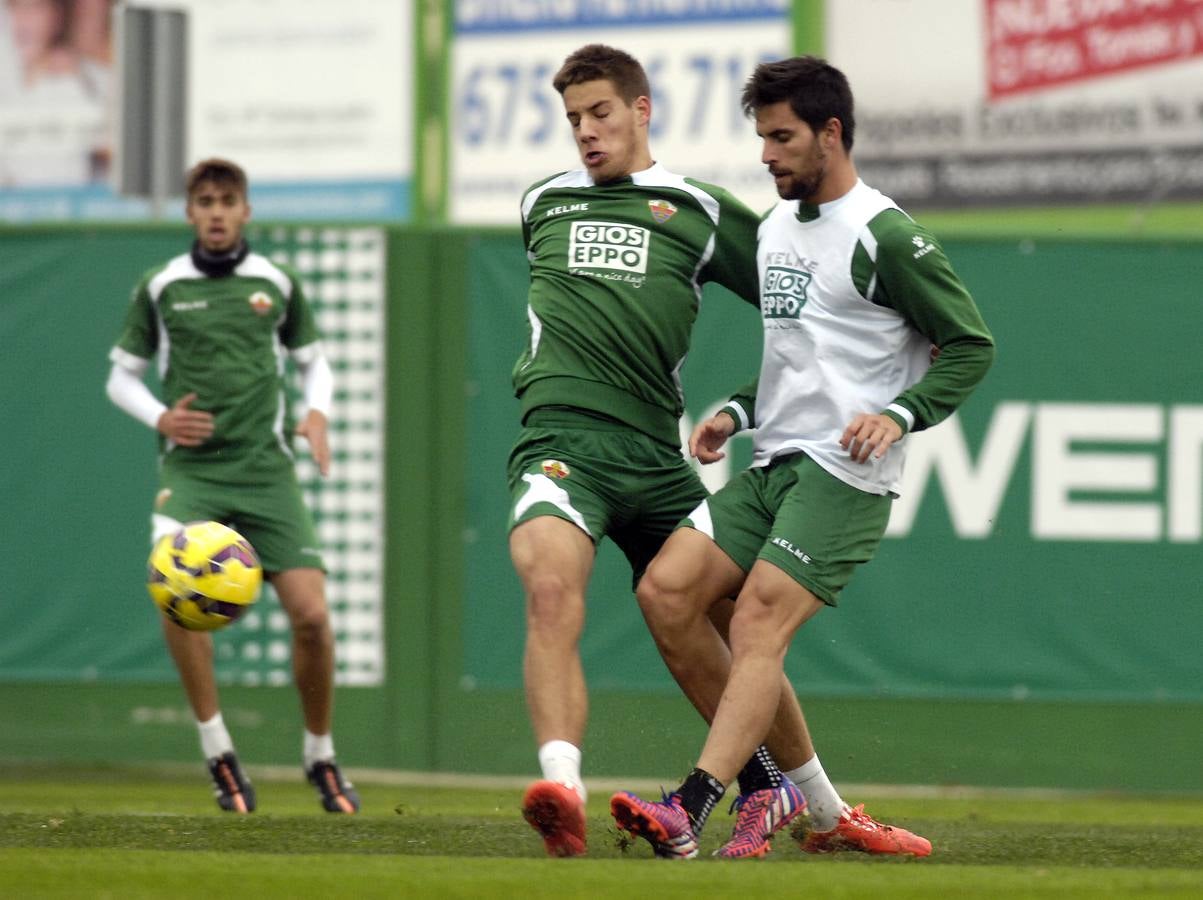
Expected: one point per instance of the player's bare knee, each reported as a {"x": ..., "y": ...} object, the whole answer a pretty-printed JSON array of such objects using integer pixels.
[
  {"x": 311, "y": 625},
  {"x": 649, "y": 593},
  {"x": 551, "y": 604},
  {"x": 761, "y": 624},
  {"x": 666, "y": 607}
]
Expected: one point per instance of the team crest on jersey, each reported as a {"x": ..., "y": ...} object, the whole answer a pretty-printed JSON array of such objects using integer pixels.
[
  {"x": 783, "y": 293},
  {"x": 553, "y": 468},
  {"x": 662, "y": 210},
  {"x": 261, "y": 302}
]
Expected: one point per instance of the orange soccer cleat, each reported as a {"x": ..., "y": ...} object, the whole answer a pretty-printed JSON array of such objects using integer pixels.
[
  {"x": 557, "y": 812},
  {"x": 857, "y": 830}
]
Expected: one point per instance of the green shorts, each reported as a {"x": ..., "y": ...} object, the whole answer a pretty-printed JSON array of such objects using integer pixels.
[
  {"x": 271, "y": 515},
  {"x": 799, "y": 517},
  {"x": 604, "y": 477}
]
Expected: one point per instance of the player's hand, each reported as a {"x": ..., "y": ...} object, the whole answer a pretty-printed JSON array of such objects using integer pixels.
[
  {"x": 186, "y": 427},
  {"x": 870, "y": 433},
  {"x": 314, "y": 430},
  {"x": 708, "y": 436}
]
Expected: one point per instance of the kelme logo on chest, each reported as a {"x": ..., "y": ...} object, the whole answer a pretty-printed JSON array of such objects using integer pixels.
[
  {"x": 606, "y": 245},
  {"x": 783, "y": 293}
]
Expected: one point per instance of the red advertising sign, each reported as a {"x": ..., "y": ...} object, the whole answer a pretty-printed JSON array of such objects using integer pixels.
[{"x": 1032, "y": 44}]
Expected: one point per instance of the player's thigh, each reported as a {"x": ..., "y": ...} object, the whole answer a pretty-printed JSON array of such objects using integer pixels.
[
  {"x": 550, "y": 553},
  {"x": 302, "y": 594},
  {"x": 689, "y": 578},
  {"x": 736, "y": 518},
  {"x": 182, "y": 499},
  {"x": 274, "y": 518},
  {"x": 272, "y": 515},
  {"x": 823, "y": 529},
  {"x": 773, "y": 604},
  {"x": 561, "y": 473},
  {"x": 658, "y": 494}
]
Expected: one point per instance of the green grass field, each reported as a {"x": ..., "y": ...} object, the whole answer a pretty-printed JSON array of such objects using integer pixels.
[{"x": 129, "y": 833}]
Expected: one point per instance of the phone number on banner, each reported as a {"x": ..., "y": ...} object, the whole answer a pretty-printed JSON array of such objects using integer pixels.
[{"x": 695, "y": 96}]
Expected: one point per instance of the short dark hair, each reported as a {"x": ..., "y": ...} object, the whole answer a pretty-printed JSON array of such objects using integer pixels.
[
  {"x": 595, "y": 62},
  {"x": 816, "y": 90},
  {"x": 219, "y": 171}
]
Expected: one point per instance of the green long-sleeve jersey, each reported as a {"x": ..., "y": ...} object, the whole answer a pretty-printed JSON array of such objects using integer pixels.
[
  {"x": 226, "y": 339},
  {"x": 616, "y": 284}
]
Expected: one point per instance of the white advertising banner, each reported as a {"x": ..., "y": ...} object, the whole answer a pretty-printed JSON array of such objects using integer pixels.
[
  {"x": 56, "y": 86},
  {"x": 506, "y": 122},
  {"x": 990, "y": 102},
  {"x": 314, "y": 99}
]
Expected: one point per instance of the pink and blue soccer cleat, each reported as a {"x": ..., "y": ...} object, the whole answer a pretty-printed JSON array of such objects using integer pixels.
[
  {"x": 664, "y": 825},
  {"x": 761, "y": 815}
]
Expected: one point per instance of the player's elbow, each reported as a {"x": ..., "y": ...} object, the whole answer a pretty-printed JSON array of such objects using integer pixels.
[
  {"x": 984, "y": 352},
  {"x": 112, "y": 386}
]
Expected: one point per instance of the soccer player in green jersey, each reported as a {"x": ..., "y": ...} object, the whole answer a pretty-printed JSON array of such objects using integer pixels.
[
  {"x": 221, "y": 321},
  {"x": 619, "y": 251},
  {"x": 854, "y": 295}
]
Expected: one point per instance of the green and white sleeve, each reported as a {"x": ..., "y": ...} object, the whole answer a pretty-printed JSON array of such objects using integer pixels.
[
  {"x": 913, "y": 276},
  {"x": 742, "y": 406}
]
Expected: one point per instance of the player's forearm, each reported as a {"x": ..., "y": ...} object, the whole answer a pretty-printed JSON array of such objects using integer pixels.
[{"x": 950, "y": 380}]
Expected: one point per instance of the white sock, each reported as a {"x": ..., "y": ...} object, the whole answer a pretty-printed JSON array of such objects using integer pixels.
[
  {"x": 317, "y": 748},
  {"x": 823, "y": 803},
  {"x": 214, "y": 738},
  {"x": 561, "y": 762}
]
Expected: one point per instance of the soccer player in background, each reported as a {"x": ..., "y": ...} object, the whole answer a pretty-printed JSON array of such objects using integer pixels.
[
  {"x": 854, "y": 295},
  {"x": 221, "y": 320},
  {"x": 618, "y": 251}
]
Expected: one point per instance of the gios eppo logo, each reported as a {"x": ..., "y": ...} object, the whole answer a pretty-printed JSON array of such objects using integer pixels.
[
  {"x": 784, "y": 292},
  {"x": 607, "y": 245}
]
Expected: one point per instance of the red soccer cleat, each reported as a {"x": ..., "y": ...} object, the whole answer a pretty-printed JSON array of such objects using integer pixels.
[
  {"x": 557, "y": 812},
  {"x": 857, "y": 830}
]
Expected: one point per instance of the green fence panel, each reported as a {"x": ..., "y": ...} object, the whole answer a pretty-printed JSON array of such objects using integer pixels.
[
  {"x": 76, "y": 475},
  {"x": 974, "y": 618},
  {"x": 82, "y": 473},
  {"x": 84, "y": 672}
]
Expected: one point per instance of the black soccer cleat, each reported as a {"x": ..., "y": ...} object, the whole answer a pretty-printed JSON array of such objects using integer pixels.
[
  {"x": 337, "y": 794},
  {"x": 231, "y": 787}
]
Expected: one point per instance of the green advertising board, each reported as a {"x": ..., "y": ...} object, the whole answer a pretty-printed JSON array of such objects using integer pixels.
[
  {"x": 1037, "y": 596},
  {"x": 1046, "y": 545}
]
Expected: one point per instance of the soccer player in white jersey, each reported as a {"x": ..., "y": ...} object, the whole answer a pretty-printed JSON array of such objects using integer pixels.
[
  {"x": 854, "y": 295},
  {"x": 220, "y": 319}
]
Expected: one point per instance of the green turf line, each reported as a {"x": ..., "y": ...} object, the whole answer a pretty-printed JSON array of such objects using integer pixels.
[{"x": 1163, "y": 221}]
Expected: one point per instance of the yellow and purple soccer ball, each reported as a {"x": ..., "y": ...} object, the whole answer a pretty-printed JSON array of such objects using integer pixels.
[{"x": 203, "y": 576}]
